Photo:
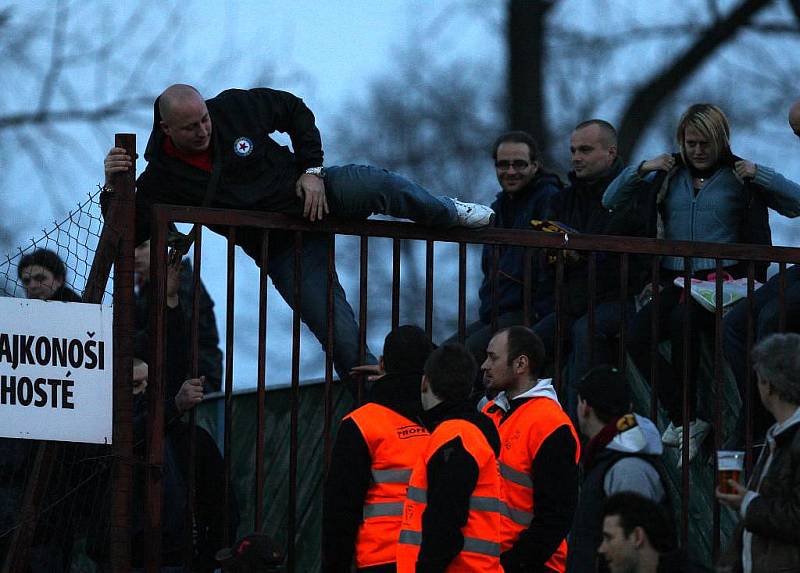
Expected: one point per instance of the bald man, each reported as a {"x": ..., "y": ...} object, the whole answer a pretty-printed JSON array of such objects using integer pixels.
[
  {"x": 219, "y": 153},
  {"x": 766, "y": 317}
]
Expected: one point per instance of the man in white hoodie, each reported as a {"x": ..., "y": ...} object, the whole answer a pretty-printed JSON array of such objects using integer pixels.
[{"x": 622, "y": 454}]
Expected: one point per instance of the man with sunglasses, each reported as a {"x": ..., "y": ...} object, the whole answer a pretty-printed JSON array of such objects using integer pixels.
[{"x": 526, "y": 189}]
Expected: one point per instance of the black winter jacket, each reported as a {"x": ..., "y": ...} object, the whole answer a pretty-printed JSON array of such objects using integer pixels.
[
  {"x": 579, "y": 206},
  {"x": 515, "y": 212},
  {"x": 263, "y": 179}
]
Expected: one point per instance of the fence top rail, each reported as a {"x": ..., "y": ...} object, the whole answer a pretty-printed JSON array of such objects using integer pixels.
[{"x": 163, "y": 214}]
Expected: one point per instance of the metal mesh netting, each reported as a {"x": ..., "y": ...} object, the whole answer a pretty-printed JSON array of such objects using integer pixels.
[
  {"x": 74, "y": 240},
  {"x": 64, "y": 486}
]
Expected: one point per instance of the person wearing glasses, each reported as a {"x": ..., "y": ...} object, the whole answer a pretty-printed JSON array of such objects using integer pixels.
[{"x": 525, "y": 192}]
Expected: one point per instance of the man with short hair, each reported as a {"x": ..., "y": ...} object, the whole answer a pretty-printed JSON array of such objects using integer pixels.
[
  {"x": 375, "y": 450},
  {"x": 539, "y": 459},
  {"x": 622, "y": 454},
  {"x": 526, "y": 188},
  {"x": 43, "y": 276},
  {"x": 637, "y": 536},
  {"x": 768, "y": 537},
  {"x": 451, "y": 516},
  {"x": 595, "y": 163},
  {"x": 218, "y": 153}
]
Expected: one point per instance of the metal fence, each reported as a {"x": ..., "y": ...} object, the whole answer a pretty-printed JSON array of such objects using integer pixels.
[{"x": 136, "y": 473}]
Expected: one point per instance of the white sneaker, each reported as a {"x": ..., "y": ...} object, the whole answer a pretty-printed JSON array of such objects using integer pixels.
[
  {"x": 698, "y": 430},
  {"x": 472, "y": 215},
  {"x": 672, "y": 436}
]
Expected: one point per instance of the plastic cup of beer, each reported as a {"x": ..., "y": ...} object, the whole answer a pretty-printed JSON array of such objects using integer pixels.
[{"x": 730, "y": 465}]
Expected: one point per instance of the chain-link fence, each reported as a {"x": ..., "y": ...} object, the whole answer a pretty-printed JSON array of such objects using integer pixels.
[{"x": 55, "y": 496}]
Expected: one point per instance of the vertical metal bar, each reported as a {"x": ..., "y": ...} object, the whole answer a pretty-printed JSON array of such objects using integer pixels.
[
  {"x": 362, "y": 311},
  {"x": 718, "y": 370},
  {"x": 227, "y": 440},
  {"x": 748, "y": 371},
  {"x": 293, "y": 427},
  {"x": 395, "y": 283},
  {"x": 493, "y": 282},
  {"x": 261, "y": 380},
  {"x": 687, "y": 330},
  {"x": 329, "y": 349},
  {"x": 559, "y": 310},
  {"x": 124, "y": 332},
  {"x": 462, "y": 292},
  {"x": 429, "y": 288},
  {"x": 782, "y": 297},
  {"x": 590, "y": 314},
  {"x": 157, "y": 372},
  {"x": 194, "y": 357},
  {"x": 655, "y": 283},
  {"x": 624, "y": 269},
  {"x": 527, "y": 286}
]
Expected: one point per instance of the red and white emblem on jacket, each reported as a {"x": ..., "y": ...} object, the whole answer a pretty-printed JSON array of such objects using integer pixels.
[{"x": 243, "y": 147}]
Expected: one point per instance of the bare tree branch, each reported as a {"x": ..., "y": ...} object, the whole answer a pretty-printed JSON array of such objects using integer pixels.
[{"x": 649, "y": 97}]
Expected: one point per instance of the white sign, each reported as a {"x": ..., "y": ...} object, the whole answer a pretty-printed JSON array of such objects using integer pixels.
[{"x": 55, "y": 370}]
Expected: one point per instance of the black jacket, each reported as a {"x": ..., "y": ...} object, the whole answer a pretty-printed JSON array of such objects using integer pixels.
[
  {"x": 452, "y": 475},
  {"x": 264, "y": 179},
  {"x": 349, "y": 475},
  {"x": 209, "y": 353},
  {"x": 515, "y": 212},
  {"x": 579, "y": 206}
]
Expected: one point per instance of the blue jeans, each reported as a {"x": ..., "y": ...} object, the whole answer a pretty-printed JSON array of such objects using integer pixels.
[
  {"x": 766, "y": 313},
  {"x": 355, "y": 191},
  {"x": 606, "y": 325},
  {"x": 359, "y": 191}
]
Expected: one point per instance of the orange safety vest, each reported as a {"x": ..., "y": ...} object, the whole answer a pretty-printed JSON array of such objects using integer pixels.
[
  {"x": 394, "y": 444},
  {"x": 521, "y": 435},
  {"x": 481, "y": 550}
]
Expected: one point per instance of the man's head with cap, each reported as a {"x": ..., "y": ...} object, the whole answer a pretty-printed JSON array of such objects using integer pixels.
[
  {"x": 603, "y": 396},
  {"x": 405, "y": 350}
]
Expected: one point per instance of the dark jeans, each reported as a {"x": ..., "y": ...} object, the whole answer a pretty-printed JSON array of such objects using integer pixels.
[
  {"x": 766, "y": 315},
  {"x": 670, "y": 323},
  {"x": 606, "y": 327},
  {"x": 355, "y": 191}
]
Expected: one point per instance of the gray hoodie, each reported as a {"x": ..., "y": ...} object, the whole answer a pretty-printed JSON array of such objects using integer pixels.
[{"x": 633, "y": 473}]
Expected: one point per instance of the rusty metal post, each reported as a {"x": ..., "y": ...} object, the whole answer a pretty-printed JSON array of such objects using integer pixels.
[
  {"x": 156, "y": 389},
  {"x": 124, "y": 332}
]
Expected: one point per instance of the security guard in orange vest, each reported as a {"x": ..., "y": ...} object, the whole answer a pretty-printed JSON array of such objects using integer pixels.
[
  {"x": 375, "y": 451},
  {"x": 451, "y": 517},
  {"x": 539, "y": 454}
]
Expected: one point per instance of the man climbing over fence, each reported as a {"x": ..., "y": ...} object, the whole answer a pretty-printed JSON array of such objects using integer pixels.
[{"x": 218, "y": 153}]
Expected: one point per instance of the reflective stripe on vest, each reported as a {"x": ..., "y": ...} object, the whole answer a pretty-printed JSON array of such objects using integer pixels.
[
  {"x": 391, "y": 476},
  {"x": 383, "y": 509},
  {"x": 518, "y": 477},
  {"x": 471, "y": 544},
  {"x": 476, "y": 502}
]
